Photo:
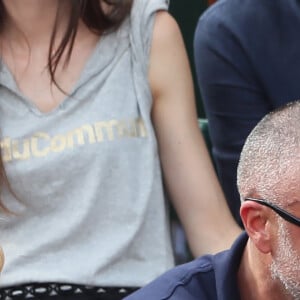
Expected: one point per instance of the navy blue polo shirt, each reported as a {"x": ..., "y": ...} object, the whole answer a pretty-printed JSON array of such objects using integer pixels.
[
  {"x": 210, "y": 277},
  {"x": 247, "y": 58}
]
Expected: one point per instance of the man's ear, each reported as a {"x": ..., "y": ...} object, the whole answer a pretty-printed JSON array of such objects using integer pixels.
[{"x": 255, "y": 219}]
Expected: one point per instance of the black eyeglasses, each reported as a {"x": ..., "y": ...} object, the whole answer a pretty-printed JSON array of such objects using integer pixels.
[{"x": 281, "y": 212}]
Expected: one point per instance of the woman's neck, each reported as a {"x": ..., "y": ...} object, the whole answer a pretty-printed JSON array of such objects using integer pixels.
[{"x": 30, "y": 22}]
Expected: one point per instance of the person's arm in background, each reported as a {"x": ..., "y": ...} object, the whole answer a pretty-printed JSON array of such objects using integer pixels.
[
  {"x": 232, "y": 96},
  {"x": 189, "y": 175}
]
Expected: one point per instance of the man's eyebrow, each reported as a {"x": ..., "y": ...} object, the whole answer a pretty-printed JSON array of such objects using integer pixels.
[{"x": 292, "y": 202}]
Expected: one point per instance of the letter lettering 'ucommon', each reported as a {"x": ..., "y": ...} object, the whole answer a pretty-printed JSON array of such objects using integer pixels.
[{"x": 41, "y": 144}]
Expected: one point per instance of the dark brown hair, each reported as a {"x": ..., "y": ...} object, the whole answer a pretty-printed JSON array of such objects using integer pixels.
[
  {"x": 3, "y": 180},
  {"x": 95, "y": 17},
  {"x": 91, "y": 12}
]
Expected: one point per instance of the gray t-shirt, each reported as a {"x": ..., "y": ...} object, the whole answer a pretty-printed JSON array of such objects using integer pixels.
[{"x": 88, "y": 177}]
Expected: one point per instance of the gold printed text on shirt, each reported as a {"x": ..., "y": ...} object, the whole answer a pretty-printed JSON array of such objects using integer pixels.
[{"x": 40, "y": 144}]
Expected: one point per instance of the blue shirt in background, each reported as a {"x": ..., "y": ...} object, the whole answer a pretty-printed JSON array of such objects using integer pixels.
[{"x": 247, "y": 55}]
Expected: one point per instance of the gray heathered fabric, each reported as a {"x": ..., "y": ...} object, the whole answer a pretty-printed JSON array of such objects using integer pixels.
[{"x": 88, "y": 175}]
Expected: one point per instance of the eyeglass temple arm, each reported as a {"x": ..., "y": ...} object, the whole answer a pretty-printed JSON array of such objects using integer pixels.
[{"x": 281, "y": 212}]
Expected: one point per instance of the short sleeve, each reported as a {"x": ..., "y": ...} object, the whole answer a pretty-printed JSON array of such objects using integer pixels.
[{"x": 142, "y": 22}]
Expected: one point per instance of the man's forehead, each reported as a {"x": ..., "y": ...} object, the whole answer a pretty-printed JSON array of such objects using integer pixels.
[{"x": 290, "y": 198}]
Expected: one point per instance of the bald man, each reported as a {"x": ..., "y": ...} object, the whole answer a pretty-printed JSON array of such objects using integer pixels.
[{"x": 264, "y": 262}]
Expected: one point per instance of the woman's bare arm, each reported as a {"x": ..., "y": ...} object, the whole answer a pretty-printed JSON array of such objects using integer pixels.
[{"x": 188, "y": 172}]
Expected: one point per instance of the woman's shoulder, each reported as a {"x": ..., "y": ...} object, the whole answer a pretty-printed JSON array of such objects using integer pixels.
[
  {"x": 143, "y": 8},
  {"x": 142, "y": 20},
  {"x": 144, "y": 4}
]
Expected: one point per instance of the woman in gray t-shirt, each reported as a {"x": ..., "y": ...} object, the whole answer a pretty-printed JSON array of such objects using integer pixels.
[{"x": 96, "y": 107}]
